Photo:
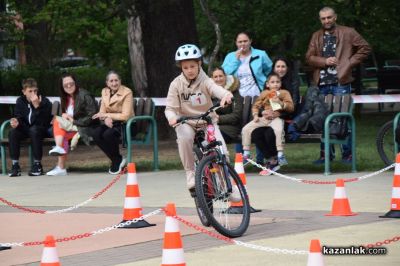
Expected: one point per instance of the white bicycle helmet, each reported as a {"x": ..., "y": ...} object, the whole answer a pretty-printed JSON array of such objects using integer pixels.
[{"x": 186, "y": 52}]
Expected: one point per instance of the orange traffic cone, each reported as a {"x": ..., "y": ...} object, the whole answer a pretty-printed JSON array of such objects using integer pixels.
[
  {"x": 315, "y": 255},
  {"x": 132, "y": 206},
  {"x": 395, "y": 202},
  {"x": 237, "y": 207},
  {"x": 340, "y": 205},
  {"x": 49, "y": 255},
  {"x": 172, "y": 253}
]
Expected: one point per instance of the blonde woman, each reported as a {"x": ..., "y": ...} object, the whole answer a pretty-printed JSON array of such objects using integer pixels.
[{"x": 116, "y": 108}]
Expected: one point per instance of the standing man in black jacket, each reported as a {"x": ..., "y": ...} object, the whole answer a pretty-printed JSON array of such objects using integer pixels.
[{"x": 32, "y": 117}]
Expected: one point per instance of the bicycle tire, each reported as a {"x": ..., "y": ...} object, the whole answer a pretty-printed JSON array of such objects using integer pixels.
[
  {"x": 385, "y": 143},
  {"x": 203, "y": 219},
  {"x": 213, "y": 196}
]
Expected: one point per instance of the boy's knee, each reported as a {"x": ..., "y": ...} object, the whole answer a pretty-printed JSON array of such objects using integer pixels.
[{"x": 184, "y": 141}]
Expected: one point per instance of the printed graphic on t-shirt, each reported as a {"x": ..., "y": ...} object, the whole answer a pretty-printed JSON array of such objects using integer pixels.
[
  {"x": 196, "y": 99},
  {"x": 328, "y": 75},
  {"x": 248, "y": 86}
]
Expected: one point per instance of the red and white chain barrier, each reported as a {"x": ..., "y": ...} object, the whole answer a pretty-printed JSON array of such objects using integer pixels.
[
  {"x": 95, "y": 196},
  {"x": 263, "y": 248},
  {"x": 191, "y": 225},
  {"x": 84, "y": 235},
  {"x": 318, "y": 182}
]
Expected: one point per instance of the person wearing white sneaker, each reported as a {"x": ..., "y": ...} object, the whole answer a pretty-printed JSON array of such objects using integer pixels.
[
  {"x": 77, "y": 107},
  {"x": 116, "y": 108},
  {"x": 57, "y": 171}
]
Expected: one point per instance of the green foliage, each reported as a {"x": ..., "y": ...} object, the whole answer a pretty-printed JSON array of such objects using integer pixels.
[
  {"x": 285, "y": 27},
  {"x": 92, "y": 28},
  {"x": 90, "y": 78}
]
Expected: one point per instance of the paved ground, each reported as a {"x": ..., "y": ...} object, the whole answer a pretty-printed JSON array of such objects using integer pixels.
[{"x": 293, "y": 214}]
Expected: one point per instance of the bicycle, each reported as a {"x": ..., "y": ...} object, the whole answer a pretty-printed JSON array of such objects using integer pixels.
[
  {"x": 386, "y": 143},
  {"x": 216, "y": 181}
]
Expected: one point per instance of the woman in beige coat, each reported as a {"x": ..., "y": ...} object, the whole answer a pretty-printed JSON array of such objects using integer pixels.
[{"x": 116, "y": 108}]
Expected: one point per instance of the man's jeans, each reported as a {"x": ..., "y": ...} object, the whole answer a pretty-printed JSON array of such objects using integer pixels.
[{"x": 337, "y": 89}]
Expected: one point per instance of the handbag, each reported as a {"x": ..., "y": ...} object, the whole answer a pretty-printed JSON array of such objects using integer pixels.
[
  {"x": 66, "y": 124},
  {"x": 338, "y": 128}
]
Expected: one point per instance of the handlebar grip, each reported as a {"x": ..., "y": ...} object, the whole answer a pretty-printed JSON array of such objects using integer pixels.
[{"x": 180, "y": 119}]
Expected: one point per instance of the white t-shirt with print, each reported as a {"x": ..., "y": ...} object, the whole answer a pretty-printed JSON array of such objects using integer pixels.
[{"x": 248, "y": 86}]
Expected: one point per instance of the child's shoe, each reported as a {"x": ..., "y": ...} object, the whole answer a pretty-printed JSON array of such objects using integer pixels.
[
  {"x": 15, "y": 170},
  {"x": 245, "y": 157},
  {"x": 57, "y": 151},
  {"x": 282, "y": 160},
  {"x": 270, "y": 167}
]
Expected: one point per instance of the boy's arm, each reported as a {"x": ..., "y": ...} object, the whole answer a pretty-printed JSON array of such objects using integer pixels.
[
  {"x": 288, "y": 105},
  {"x": 43, "y": 114},
  {"x": 173, "y": 103},
  {"x": 233, "y": 118},
  {"x": 18, "y": 110},
  {"x": 258, "y": 104}
]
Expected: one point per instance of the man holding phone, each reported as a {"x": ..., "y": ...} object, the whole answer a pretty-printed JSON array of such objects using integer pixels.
[{"x": 32, "y": 117}]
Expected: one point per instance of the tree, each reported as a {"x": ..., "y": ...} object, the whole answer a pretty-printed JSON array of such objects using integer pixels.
[
  {"x": 285, "y": 27},
  {"x": 164, "y": 26},
  {"x": 90, "y": 27}
]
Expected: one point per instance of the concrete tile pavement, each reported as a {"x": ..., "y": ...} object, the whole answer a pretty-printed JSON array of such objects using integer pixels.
[{"x": 296, "y": 210}]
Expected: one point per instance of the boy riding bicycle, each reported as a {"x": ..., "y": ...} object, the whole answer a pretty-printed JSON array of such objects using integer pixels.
[{"x": 190, "y": 94}]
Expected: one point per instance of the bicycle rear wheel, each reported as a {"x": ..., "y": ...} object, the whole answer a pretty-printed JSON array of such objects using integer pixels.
[
  {"x": 214, "y": 198},
  {"x": 385, "y": 143}
]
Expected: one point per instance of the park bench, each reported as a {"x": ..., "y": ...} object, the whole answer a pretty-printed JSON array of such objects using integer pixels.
[
  {"x": 145, "y": 132},
  {"x": 4, "y": 142},
  {"x": 338, "y": 106},
  {"x": 145, "y": 128}
]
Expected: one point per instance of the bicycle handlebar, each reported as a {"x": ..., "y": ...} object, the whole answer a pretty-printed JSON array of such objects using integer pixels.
[{"x": 202, "y": 116}]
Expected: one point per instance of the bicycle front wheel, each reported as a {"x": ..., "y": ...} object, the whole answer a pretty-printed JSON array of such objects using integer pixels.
[
  {"x": 385, "y": 143},
  {"x": 214, "y": 198}
]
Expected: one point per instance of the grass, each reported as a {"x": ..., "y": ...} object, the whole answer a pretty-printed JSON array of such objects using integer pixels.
[{"x": 299, "y": 155}]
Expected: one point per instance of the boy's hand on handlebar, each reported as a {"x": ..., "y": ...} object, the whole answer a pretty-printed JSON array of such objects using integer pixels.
[
  {"x": 172, "y": 122},
  {"x": 226, "y": 100}
]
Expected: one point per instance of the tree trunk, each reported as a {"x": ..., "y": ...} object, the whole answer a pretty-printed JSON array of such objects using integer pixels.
[
  {"x": 214, "y": 21},
  {"x": 165, "y": 26},
  {"x": 136, "y": 55}
]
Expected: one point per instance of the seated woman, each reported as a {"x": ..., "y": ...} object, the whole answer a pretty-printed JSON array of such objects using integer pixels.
[
  {"x": 264, "y": 139},
  {"x": 230, "y": 117},
  {"x": 290, "y": 81},
  {"x": 78, "y": 107},
  {"x": 115, "y": 109}
]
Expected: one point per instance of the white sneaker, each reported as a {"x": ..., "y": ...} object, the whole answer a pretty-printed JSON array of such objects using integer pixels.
[
  {"x": 57, "y": 151},
  {"x": 57, "y": 171},
  {"x": 190, "y": 182}
]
